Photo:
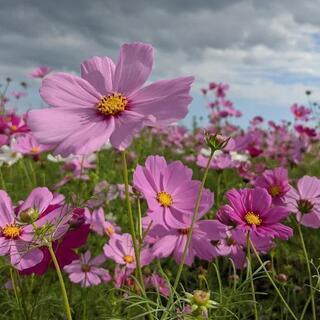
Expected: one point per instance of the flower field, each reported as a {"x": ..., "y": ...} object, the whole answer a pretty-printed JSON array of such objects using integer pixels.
[{"x": 110, "y": 209}]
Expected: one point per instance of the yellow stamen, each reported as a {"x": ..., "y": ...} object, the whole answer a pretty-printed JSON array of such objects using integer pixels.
[
  {"x": 275, "y": 191},
  {"x": 253, "y": 218},
  {"x": 11, "y": 231},
  {"x": 128, "y": 259},
  {"x": 112, "y": 104},
  {"x": 109, "y": 231},
  {"x": 14, "y": 128},
  {"x": 164, "y": 198},
  {"x": 35, "y": 150}
]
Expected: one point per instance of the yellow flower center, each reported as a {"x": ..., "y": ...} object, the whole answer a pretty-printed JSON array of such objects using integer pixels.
[
  {"x": 128, "y": 259},
  {"x": 14, "y": 128},
  {"x": 164, "y": 198},
  {"x": 35, "y": 150},
  {"x": 253, "y": 218},
  {"x": 109, "y": 231},
  {"x": 11, "y": 231},
  {"x": 112, "y": 104},
  {"x": 275, "y": 191}
]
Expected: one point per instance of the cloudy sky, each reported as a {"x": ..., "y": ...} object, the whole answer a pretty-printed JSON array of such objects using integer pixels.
[{"x": 268, "y": 51}]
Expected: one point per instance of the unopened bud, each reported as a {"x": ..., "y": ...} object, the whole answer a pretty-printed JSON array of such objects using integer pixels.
[
  {"x": 216, "y": 142},
  {"x": 281, "y": 277}
]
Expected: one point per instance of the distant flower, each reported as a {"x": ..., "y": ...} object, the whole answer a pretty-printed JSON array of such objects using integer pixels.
[
  {"x": 40, "y": 72},
  {"x": 87, "y": 271},
  {"x": 104, "y": 192},
  {"x": 100, "y": 225},
  {"x": 300, "y": 112},
  {"x": 9, "y": 156},
  {"x": 305, "y": 201},
  {"x": 27, "y": 144},
  {"x": 120, "y": 249},
  {"x": 170, "y": 192},
  {"x": 19, "y": 94},
  {"x": 251, "y": 211},
  {"x": 107, "y": 102},
  {"x": 276, "y": 181},
  {"x": 157, "y": 282}
]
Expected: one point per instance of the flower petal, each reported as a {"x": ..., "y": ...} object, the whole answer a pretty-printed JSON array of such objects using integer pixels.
[
  {"x": 133, "y": 67},
  {"x": 66, "y": 90},
  {"x": 167, "y": 100},
  {"x": 99, "y": 71}
]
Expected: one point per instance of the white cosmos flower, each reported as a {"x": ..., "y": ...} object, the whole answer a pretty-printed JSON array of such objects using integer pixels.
[
  {"x": 59, "y": 158},
  {"x": 9, "y": 156},
  {"x": 235, "y": 156}
]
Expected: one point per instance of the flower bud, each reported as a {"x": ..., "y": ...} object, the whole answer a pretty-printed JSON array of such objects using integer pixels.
[{"x": 216, "y": 141}]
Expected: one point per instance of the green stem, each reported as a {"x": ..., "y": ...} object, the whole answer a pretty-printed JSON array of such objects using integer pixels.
[
  {"x": 3, "y": 184},
  {"x": 131, "y": 221},
  {"x": 253, "y": 292},
  {"x": 139, "y": 222},
  {"x": 272, "y": 281},
  {"x": 14, "y": 286},
  {"x": 62, "y": 286},
  {"x": 185, "y": 251},
  {"x": 313, "y": 305},
  {"x": 132, "y": 228}
]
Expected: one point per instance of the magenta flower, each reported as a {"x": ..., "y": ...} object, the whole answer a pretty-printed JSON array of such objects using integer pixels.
[
  {"x": 107, "y": 102},
  {"x": 305, "y": 201},
  {"x": 100, "y": 225},
  {"x": 120, "y": 249},
  {"x": 40, "y": 72},
  {"x": 168, "y": 242},
  {"x": 276, "y": 182},
  {"x": 86, "y": 270},
  {"x": 300, "y": 112},
  {"x": 252, "y": 211},
  {"x": 27, "y": 144},
  {"x": 157, "y": 282},
  {"x": 170, "y": 192}
]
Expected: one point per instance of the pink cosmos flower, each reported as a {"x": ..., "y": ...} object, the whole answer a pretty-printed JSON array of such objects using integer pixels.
[
  {"x": 104, "y": 192},
  {"x": 122, "y": 276},
  {"x": 157, "y": 282},
  {"x": 40, "y": 72},
  {"x": 100, "y": 225},
  {"x": 276, "y": 181},
  {"x": 219, "y": 162},
  {"x": 19, "y": 94},
  {"x": 24, "y": 229},
  {"x": 235, "y": 243},
  {"x": 120, "y": 249},
  {"x": 252, "y": 211},
  {"x": 305, "y": 201},
  {"x": 170, "y": 192},
  {"x": 300, "y": 112},
  {"x": 16, "y": 239},
  {"x": 86, "y": 270},
  {"x": 27, "y": 144},
  {"x": 107, "y": 102},
  {"x": 13, "y": 124},
  {"x": 168, "y": 242}
]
